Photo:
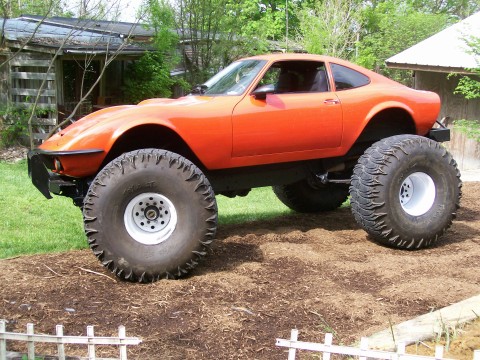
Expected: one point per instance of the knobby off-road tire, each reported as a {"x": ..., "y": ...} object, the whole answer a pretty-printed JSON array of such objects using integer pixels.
[
  {"x": 305, "y": 198},
  {"x": 150, "y": 214},
  {"x": 405, "y": 191}
]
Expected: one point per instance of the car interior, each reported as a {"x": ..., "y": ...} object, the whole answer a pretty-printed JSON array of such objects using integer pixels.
[{"x": 297, "y": 77}]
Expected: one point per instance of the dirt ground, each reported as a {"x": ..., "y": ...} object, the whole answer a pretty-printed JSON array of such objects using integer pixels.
[
  {"x": 317, "y": 273},
  {"x": 457, "y": 347}
]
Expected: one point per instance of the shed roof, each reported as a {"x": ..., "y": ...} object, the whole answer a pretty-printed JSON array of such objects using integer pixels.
[
  {"x": 91, "y": 35},
  {"x": 117, "y": 27},
  {"x": 446, "y": 51}
]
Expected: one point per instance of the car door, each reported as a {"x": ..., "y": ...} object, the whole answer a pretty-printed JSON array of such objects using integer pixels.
[{"x": 293, "y": 120}]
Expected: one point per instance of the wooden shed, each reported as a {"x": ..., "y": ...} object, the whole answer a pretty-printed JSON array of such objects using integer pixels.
[
  {"x": 63, "y": 57},
  {"x": 434, "y": 62}
]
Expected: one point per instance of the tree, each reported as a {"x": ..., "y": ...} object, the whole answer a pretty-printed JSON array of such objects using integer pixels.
[
  {"x": 213, "y": 33},
  {"x": 331, "y": 27},
  {"x": 457, "y": 8},
  {"x": 390, "y": 27},
  {"x": 267, "y": 20},
  {"x": 98, "y": 9},
  {"x": 201, "y": 28},
  {"x": 148, "y": 77},
  {"x": 49, "y": 8},
  {"x": 469, "y": 86},
  {"x": 107, "y": 59},
  {"x": 15, "y": 8},
  {"x": 160, "y": 17}
]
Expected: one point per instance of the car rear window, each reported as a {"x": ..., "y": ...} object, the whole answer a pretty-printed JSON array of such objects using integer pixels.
[{"x": 346, "y": 78}]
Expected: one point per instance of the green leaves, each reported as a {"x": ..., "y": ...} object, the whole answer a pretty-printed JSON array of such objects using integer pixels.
[
  {"x": 213, "y": 33},
  {"x": 14, "y": 123},
  {"x": 15, "y": 8},
  {"x": 469, "y": 127},
  {"x": 148, "y": 77},
  {"x": 161, "y": 18},
  {"x": 391, "y": 27},
  {"x": 469, "y": 86},
  {"x": 331, "y": 27}
]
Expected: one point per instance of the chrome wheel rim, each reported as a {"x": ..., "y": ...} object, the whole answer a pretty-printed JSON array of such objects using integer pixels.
[
  {"x": 417, "y": 193},
  {"x": 150, "y": 218}
]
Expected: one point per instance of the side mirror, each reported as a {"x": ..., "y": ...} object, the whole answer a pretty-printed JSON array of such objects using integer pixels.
[{"x": 261, "y": 92}]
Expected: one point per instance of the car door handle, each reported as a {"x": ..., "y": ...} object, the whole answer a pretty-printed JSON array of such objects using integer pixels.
[{"x": 331, "y": 101}]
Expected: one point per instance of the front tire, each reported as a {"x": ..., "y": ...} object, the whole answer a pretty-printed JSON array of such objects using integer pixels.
[
  {"x": 150, "y": 214},
  {"x": 405, "y": 191}
]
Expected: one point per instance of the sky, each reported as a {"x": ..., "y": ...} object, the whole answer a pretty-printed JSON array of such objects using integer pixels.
[{"x": 129, "y": 10}]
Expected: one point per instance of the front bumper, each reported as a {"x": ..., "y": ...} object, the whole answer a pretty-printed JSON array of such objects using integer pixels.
[
  {"x": 40, "y": 166},
  {"x": 441, "y": 134}
]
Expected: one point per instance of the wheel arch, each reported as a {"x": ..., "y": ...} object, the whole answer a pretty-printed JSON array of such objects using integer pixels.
[
  {"x": 152, "y": 136},
  {"x": 387, "y": 122},
  {"x": 382, "y": 122}
]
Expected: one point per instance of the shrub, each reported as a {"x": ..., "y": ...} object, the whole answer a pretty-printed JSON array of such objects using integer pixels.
[
  {"x": 148, "y": 77},
  {"x": 469, "y": 127},
  {"x": 14, "y": 125}
]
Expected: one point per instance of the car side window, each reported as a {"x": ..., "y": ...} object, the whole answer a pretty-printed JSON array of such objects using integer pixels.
[
  {"x": 296, "y": 77},
  {"x": 270, "y": 77},
  {"x": 346, "y": 78}
]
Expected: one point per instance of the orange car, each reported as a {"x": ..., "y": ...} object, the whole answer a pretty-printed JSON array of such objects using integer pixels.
[{"x": 315, "y": 128}]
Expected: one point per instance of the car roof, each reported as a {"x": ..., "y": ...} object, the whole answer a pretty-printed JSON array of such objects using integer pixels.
[
  {"x": 323, "y": 58},
  {"x": 296, "y": 56}
]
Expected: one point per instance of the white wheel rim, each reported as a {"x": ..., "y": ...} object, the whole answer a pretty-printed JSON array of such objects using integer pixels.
[
  {"x": 150, "y": 218},
  {"x": 417, "y": 194}
]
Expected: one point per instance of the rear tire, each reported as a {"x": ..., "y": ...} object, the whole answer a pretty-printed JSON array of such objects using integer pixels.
[
  {"x": 150, "y": 214},
  {"x": 405, "y": 191},
  {"x": 305, "y": 198}
]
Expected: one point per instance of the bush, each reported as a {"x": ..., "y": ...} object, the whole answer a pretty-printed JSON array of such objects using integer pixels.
[
  {"x": 14, "y": 125},
  {"x": 469, "y": 127},
  {"x": 148, "y": 77}
]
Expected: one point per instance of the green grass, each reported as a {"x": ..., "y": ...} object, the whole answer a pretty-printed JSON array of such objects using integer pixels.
[
  {"x": 259, "y": 204},
  {"x": 29, "y": 223}
]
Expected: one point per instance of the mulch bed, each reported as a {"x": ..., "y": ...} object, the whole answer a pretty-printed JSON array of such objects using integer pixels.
[{"x": 317, "y": 273}]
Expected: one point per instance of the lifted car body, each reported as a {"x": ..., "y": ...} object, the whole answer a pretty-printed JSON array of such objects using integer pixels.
[{"x": 235, "y": 131}]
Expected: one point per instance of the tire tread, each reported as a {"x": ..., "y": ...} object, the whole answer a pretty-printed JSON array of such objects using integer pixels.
[{"x": 366, "y": 186}]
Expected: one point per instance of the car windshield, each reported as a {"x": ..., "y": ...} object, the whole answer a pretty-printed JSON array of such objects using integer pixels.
[{"x": 233, "y": 80}]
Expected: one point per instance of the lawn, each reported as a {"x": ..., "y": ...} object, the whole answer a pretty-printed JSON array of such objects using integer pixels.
[{"x": 31, "y": 224}]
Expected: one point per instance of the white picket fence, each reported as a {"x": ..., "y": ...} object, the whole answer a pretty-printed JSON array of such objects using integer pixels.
[
  {"x": 122, "y": 341},
  {"x": 362, "y": 352}
]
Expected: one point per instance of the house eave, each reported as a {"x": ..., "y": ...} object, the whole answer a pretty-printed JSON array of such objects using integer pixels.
[
  {"x": 104, "y": 52},
  {"x": 430, "y": 68},
  {"x": 36, "y": 48},
  {"x": 87, "y": 50}
]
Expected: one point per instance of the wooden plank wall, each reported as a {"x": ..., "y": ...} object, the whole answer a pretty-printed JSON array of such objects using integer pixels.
[
  {"x": 4, "y": 80},
  {"x": 27, "y": 72},
  {"x": 465, "y": 151}
]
